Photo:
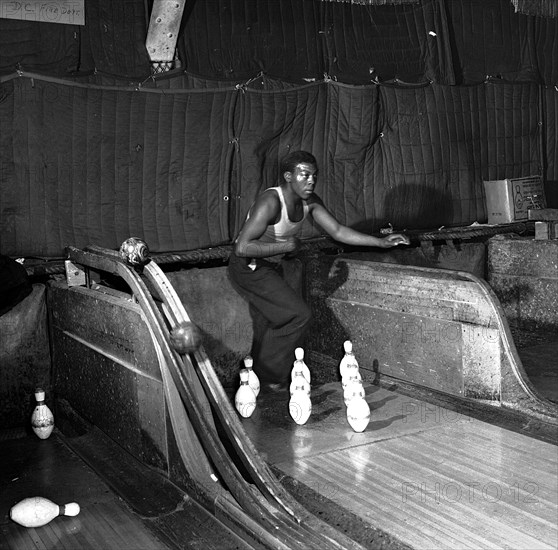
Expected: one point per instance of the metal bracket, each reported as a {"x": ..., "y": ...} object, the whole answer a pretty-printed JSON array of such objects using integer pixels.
[{"x": 163, "y": 29}]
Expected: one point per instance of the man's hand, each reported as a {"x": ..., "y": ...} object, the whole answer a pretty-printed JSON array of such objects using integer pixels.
[
  {"x": 294, "y": 244},
  {"x": 395, "y": 239}
]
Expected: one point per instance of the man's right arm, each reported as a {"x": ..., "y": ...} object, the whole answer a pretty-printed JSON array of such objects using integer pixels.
[{"x": 263, "y": 213}]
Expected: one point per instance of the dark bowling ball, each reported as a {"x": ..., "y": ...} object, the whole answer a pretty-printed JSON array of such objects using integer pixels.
[
  {"x": 134, "y": 251},
  {"x": 185, "y": 337}
]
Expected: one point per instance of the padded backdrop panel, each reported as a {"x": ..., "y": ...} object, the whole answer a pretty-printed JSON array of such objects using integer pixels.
[
  {"x": 368, "y": 43},
  {"x": 48, "y": 47},
  {"x": 239, "y": 39},
  {"x": 179, "y": 158},
  {"x": 114, "y": 37},
  {"x": 440, "y": 142},
  {"x": 550, "y": 99},
  {"x": 299, "y": 39},
  {"x": 87, "y": 164},
  {"x": 546, "y": 45},
  {"x": 490, "y": 39},
  {"x": 348, "y": 186}
]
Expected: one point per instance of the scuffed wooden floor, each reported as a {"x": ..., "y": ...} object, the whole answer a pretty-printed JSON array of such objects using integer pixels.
[
  {"x": 33, "y": 467},
  {"x": 431, "y": 477},
  {"x": 124, "y": 506}
]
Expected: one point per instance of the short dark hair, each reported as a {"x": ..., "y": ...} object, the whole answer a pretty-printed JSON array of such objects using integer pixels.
[{"x": 289, "y": 163}]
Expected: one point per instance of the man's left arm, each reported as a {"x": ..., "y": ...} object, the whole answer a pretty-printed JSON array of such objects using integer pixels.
[{"x": 347, "y": 235}]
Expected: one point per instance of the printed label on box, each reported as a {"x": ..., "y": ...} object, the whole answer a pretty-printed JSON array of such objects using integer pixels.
[{"x": 527, "y": 195}]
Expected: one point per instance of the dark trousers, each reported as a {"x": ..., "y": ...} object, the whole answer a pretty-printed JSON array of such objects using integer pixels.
[{"x": 279, "y": 314}]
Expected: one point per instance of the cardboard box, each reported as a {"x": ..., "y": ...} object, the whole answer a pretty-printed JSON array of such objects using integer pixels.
[{"x": 510, "y": 200}]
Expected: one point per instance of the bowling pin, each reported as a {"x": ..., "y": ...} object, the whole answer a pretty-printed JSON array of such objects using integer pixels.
[
  {"x": 300, "y": 365},
  {"x": 42, "y": 419},
  {"x": 352, "y": 375},
  {"x": 300, "y": 405},
  {"x": 299, "y": 381},
  {"x": 245, "y": 398},
  {"x": 353, "y": 388},
  {"x": 348, "y": 363},
  {"x": 253, "y": 380},
  {"x": 38, "y": 511},
  {"x": 358, "y": 413}
]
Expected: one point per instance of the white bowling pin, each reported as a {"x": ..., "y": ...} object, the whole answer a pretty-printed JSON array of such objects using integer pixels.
[
  {"x": 352, "y": 375},
  {"x": 253, "y": 380},
  {"x": 38, "y": 511},
  {"x": 245, "y": 398},
  {"x": 358, "y": 413},
  {"x": 300, "y": 405},
  {"x": 300, "y": 365},
  {"x": 299, "y": 381},
  {"x": 349, "y": 362},
  {"x": 42, "y": 419},
  {"x": 353, "y": 388}
]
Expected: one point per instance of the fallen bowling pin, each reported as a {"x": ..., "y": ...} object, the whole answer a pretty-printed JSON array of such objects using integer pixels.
[
  {"x": 38, "y": 511},
  {"x": 42, "y": 419}
]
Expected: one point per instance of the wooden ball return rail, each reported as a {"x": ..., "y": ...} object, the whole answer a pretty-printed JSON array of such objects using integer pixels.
[{"x": 208, "y": 433}]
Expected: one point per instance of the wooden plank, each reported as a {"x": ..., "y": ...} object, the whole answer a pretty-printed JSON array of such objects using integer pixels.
[
  {"x": 544, "y": 214},
  {"x": 481, "y": 362},
  {"x": 455, "y": 299},
  {"x": 461, "y": 485},
  {"x": 417, "y": 349},
  {"x": 110, "y": 324}
]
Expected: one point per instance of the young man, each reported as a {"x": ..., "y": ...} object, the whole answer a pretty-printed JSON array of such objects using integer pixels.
[{"x": 271, "y": 231}]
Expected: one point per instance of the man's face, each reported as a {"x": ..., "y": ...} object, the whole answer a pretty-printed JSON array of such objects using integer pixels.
[{"x": 303, "y": 179}]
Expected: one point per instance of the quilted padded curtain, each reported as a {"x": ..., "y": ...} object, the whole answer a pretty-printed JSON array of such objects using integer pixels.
[
  {"x": 237, "y": 40},
  {"x": 440, "y": 142},
  {"x": 408, "y": 43},
  {"x": 349, "y": 188},
  {"x": 543, "y": 8},
  {"x": 112, "y": 41},
  {"x": 87, "y": 164},
  {"x": 550, "y": 101}
]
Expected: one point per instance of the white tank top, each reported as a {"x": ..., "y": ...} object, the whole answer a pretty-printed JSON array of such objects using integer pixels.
[
  {"x": 280, "y": 231},
  {"x": 284, "y": 228}
]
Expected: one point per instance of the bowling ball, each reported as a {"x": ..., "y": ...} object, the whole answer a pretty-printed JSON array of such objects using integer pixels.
[
  {"x": 134, "y": 251},
  {"x": 185, "y": 337}
]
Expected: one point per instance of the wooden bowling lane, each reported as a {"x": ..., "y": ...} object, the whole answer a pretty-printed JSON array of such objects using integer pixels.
[
  {"x": 122, "y": 507},
  {"x": 32, "y": 467},
  {"x": 426, "y": 475}
]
